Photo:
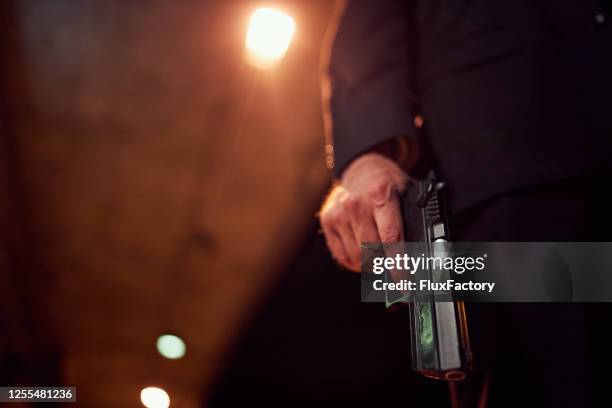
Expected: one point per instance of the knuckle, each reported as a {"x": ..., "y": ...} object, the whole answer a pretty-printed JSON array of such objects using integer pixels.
[
  {"x": 324, "y": 220},
  {"x": 379, "y": 191},
  {"x": 353, "y": 204},
  {"x": 355, "y": 254},
  {"x": 327, "y": 234},
  {"x": 342, "y": 260},
  {"x": 330, "y": 245},
  {"x": 334, "y": 217},
  {"x": 390, "y": 235}
]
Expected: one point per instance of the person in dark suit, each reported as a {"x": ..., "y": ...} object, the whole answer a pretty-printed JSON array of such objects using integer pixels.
[{"x": 508, "y": 101}]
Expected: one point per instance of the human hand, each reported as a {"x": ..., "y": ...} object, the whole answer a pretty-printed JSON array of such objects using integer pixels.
[{"x": 364, "y": 206}]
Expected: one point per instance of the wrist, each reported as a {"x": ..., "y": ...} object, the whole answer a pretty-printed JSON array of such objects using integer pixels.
[{"x": 401, "y": 150}]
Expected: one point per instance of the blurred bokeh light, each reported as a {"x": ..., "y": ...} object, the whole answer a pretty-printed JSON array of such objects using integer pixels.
[
  {"x": 171, "y": 346},
  {"x": 268, "y": 38},
  {"x": 153, "y": 397}
]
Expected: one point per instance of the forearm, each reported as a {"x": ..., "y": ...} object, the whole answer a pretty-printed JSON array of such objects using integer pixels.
[{"x": 368, "y": 96}]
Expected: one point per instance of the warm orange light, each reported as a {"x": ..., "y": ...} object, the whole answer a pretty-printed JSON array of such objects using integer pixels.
[
  {"x": 154, "y": 397},
  {"x": 270, "y": 33}
]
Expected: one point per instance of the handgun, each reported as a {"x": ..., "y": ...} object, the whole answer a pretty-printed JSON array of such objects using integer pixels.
[{"x": 438, "y": 328}]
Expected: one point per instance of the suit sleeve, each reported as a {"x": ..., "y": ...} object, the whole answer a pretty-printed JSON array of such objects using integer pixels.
[{"x": 367, "y": 94}]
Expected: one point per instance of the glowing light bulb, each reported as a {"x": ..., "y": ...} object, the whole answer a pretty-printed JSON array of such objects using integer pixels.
[
  {"x": 268, "y": 38},
  {"x": 171, "y": 346},
  {"x": 153, "y": 397}
]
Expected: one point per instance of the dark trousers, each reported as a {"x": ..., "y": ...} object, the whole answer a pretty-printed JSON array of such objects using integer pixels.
[{"x": 536, "y": 354}]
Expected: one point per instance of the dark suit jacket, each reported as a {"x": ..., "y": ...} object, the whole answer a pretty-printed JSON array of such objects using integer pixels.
[{"x": 513, "y": 92}]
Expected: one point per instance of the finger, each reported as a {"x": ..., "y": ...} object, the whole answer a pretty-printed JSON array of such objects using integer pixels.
[
  {"x": 390, "y": 227},
  {"x": 365, "y": 231},
  {"x": 334, "y": 243},
  {"x": 389, "y": 222},
  {"x": 350, "y": 244},
  {"x": 388, "y": 218},
  {"x": 362, "y": 221}
]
